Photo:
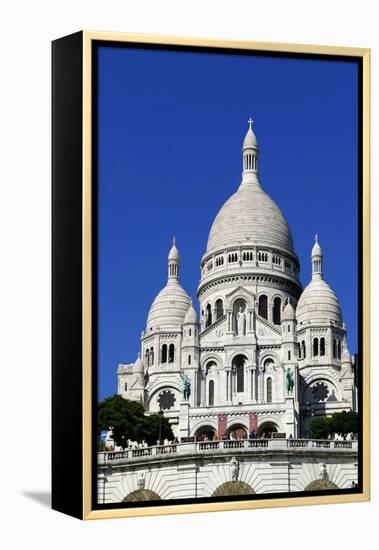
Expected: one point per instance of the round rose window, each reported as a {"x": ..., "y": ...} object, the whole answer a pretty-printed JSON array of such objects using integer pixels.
[{"x": 166, "y": 400}]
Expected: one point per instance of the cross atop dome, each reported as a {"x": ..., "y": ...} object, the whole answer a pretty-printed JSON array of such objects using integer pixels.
[{"x": 251, "y": 122}]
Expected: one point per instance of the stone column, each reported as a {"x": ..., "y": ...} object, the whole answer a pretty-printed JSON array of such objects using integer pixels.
[
  {"x": 184, "y": 419},
  {"x": 253, "y": 388},
  {"x": 248, "y": 381},
  {"x": 227, "y": 371},
  {"x": 261, "y": 382}
]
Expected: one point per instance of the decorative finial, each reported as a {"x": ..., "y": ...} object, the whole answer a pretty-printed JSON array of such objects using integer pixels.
[
  {"x": 316, "y": 238},
  {"x": 250, "y": 121},
  {"x": 174, "y": 241}
]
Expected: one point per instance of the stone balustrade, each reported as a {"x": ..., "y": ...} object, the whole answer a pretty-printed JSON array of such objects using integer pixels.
[{"x": 227, "y": 447}]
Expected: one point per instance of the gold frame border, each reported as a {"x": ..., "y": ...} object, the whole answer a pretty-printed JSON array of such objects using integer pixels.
[{"x": 364, "y": 54}]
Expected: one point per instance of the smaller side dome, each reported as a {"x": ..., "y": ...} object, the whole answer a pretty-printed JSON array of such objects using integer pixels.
[
  {"x": 191, "y": 316},
  {"x": 289, "y": 312},
  {"x": 318, "y": 302}
]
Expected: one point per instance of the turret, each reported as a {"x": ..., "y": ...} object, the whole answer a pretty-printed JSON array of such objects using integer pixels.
[
  {"x": 190, "y": 345},
  {"x": 289, "y": 337}
]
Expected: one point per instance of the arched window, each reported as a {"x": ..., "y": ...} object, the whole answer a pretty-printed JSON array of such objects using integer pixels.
[
  {"x": 303, "y": 350},
  {"x": 210, "y": 365},
  {"x": 268, "y": 362},
  {"x": 171, "y": 353},
  {"x": 208, "y": 316},
  {"x": 151, "y": 356},
  {"x": 269, "y": 390},
  {"x": 147, "y": 355},
  {"x": 211, "y": 393},
  {"x": 322, "y": 346},
  {"x": 262, "y": 306},
  {"x": 289, "y": 355},
  {"x": 126, "y": 387},
  {"x": 164, "y": 354},
  {"x": 189, "y": 359},
  {"x": 276, "y": 311},
  {"x": 315, "y": 347},
  {"x": 299, "y": 350},
  {"x": 240, "y": 373},
  {"x": 219, "y": 309},
  {"x": 339, "y": 349},
  {"x": 334, "y": 348}
]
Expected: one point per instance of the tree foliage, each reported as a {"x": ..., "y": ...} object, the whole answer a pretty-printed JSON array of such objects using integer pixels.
[
  {"x": 128, "y": 421},
  {"x": 339, "y": 423}
]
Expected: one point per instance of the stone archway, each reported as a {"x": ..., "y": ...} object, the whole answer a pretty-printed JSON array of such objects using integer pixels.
[
  {"x": 267, "y": 428},
  {"x": 205, "y": 433},
  {"x": 238, "y": 430},
  {"x": 320, "y": 485},
  {"x": 140, "y": 495},
  {"x": 233, "y": 488}
]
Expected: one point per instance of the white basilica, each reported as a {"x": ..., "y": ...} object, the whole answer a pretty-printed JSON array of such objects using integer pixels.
[{"x": 265, "y": 355}]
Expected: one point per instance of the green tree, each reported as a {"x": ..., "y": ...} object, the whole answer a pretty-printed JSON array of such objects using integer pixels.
[
  {"x": 320, "y": 428},
  {"x": 151, "y": 430},
  {"x": 129, "y": 421},
  {"x": 341, "y": 423}
]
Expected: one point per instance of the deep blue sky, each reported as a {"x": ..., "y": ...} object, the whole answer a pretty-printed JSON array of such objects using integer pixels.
[{"x": 171, "y": 126}]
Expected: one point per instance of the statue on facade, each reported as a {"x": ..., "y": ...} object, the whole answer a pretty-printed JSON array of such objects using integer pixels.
[
  {"x": 241, "y": 322},
  {"x": 141, "y": 480},
  {"x": 323, "y": 472},
  {"x": 235, "y": 468},
  {"x": 289, "y": 381},
  {"x": 186, "y": 386}
]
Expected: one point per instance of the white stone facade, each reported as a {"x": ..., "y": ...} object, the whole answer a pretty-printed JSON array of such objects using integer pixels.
[{"x": 263, "y": 355}]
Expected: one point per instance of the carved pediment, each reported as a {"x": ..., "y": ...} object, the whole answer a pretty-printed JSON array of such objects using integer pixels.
[
  {"x": 266, "y": 331},
  {"x": 215, "y": 332}
]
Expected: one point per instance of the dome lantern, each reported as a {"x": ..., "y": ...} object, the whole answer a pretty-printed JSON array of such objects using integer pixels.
[
  {"x": 173, "y": 261},
  {"x": 250, "y": 157},
  {"x": 316, "y": 260}
]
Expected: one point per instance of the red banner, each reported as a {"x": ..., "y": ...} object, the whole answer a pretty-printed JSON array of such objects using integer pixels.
[
  {"x": 253, "y": 422},
  {"x": 222, "y": 422}
]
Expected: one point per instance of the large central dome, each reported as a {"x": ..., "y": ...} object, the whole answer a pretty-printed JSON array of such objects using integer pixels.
[{"x": 250, "y": 216}]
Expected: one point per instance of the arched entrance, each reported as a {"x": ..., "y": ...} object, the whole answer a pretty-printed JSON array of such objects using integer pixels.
[
  {"x": 237, "y": 431},
  {"x": 320, "y": 485},
  {"x": 205, "y": 433},
  {"x": 267, "y": 429},
  {"x": 233, "y": 488},
  {"x": 140, "y": 495}
]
